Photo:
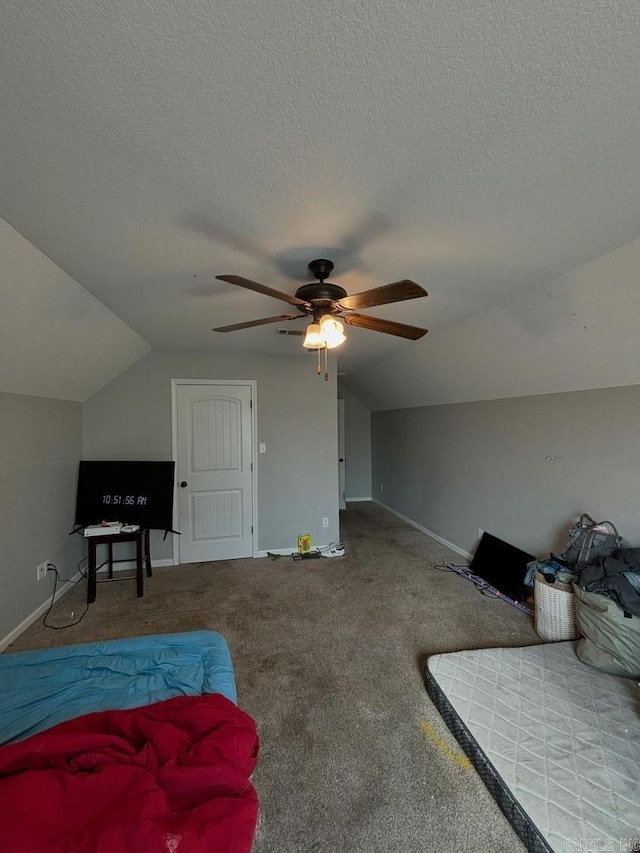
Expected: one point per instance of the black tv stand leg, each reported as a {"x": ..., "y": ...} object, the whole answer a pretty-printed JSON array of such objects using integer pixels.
[
  {"x": 139, "y": 572},
  {"x": 147, "y": 553},
  {"x": 91, "y": 574}
]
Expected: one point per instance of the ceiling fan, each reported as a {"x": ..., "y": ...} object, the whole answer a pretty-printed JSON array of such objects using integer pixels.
[{"x": 326, "y": 302}]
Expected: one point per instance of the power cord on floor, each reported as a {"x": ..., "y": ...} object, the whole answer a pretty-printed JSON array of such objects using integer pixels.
[
  {"x": 83, "y": 575},
  {"x": 443, "y": 568},
  {"x": 484, "y": 587},
  {"x": 481, "y": 585}
]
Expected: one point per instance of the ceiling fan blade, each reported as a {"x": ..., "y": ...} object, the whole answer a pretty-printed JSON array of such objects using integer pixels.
[
  {"x": 396, "y": 292},
  {"x": 377, "y": 324},
  {"x": 262, "y": 322},
  {"x": 262, "y": 288}
]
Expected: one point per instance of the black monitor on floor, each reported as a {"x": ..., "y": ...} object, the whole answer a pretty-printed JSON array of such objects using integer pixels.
[{"x": 501, "y": 565}]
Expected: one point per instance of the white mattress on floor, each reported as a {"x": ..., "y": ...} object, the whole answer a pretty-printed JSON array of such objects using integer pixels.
[{"x": 564, "y": 737}]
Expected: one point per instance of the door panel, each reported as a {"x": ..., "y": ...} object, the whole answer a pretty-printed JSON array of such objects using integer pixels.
[
  {"x": 216, "y": 515},
  {"x": 215, "y": 449},
  {"x": 216, "y": 435}
]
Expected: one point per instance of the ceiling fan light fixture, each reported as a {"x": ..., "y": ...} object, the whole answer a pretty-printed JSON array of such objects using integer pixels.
[
  {"x": 332, "y": 331},
  {"x": 336, "y": 342},
  {"x": 313, "y": 338}
]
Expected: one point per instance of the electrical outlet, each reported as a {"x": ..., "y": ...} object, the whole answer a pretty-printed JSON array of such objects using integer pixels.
[
  {"x": 325, "y": 522},
  {"x": 42, "y": 569}
]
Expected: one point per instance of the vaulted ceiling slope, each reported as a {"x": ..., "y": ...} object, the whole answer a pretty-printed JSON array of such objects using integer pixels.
[
  {"x": 56, "y": 339},
  {"x": 482, "y": 148},
  {"x": 575, "y": 333}
]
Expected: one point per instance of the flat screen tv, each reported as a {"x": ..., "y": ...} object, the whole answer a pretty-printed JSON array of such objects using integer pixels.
[
  {"x": 130, "y": 492},
  {"x": 501, "y": 565}
]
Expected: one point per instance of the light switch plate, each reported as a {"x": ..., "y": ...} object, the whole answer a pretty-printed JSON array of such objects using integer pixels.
[{"x": 262, "y": 447}]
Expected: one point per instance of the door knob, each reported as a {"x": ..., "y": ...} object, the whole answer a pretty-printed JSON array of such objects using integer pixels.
[
  {"x": 341, "y": 459},
  {"x": 183, "y": 484}
]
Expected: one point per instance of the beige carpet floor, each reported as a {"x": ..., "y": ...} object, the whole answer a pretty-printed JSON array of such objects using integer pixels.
[{"x": 328, "y": 657}]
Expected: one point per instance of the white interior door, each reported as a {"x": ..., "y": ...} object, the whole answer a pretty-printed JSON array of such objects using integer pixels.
[{"x": 214, "y": 472}]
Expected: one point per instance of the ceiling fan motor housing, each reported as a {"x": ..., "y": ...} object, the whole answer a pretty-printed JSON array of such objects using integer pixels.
[
  {"x": 321, "y": 294},
  {"x": 321, "y": 291},
  {"x": 321, "y": 268}
]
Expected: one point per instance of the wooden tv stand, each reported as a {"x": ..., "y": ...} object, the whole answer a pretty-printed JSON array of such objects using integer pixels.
[{"x": 143, "y": 559}]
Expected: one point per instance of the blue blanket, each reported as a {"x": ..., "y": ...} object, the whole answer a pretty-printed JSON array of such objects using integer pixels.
[{"x": 42, "y": 688}]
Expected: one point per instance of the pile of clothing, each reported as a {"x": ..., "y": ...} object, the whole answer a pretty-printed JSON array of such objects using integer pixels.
[
  {"x": 606, "y": 583},
  {"x": 588, "y": 541},
  {"x": 616, "y": 576},
  {"x": 608, "y": 613}
]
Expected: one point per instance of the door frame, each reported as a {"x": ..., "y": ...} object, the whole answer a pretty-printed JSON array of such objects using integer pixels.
[
  {"x": 342, "y": 466},
  {"x": 251, "y": 383}
]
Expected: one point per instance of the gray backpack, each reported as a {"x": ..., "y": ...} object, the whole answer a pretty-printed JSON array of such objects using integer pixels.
[{"x": 588, "y": 541}]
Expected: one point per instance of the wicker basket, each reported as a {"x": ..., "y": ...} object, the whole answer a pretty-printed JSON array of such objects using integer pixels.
[{"x": 555, "y": 610}]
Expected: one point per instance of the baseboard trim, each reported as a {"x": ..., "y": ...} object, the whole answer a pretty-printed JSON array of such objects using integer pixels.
[
  {"x": 286, "y": 552},
  {"x": 281, "y": 552},
  {"x": 425, "y": 530},
  {"x": 131, "y": 564},
  {"x": 357, "y": 500},
  {"x": 37, "y": 613},
  {"x": 162, "y": 564}
]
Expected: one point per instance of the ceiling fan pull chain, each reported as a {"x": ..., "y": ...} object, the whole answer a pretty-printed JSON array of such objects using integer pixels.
[
  {"x": 326, "y": 364},
  {"x": 319, "y": 364}
]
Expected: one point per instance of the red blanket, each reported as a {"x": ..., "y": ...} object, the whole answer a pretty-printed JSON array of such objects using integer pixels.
[{"x": 170, "y": 777}]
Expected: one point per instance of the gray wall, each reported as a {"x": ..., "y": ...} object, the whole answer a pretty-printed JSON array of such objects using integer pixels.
[
  {"x": 40, "y": 446},
  {"x": 296, "y": 418},
  {"x": 357, "y": 419},
  {"x": 457, "y": 468}
]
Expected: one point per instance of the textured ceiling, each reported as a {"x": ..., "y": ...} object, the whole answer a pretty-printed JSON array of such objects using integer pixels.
[{"x": 481, "y": 148}]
